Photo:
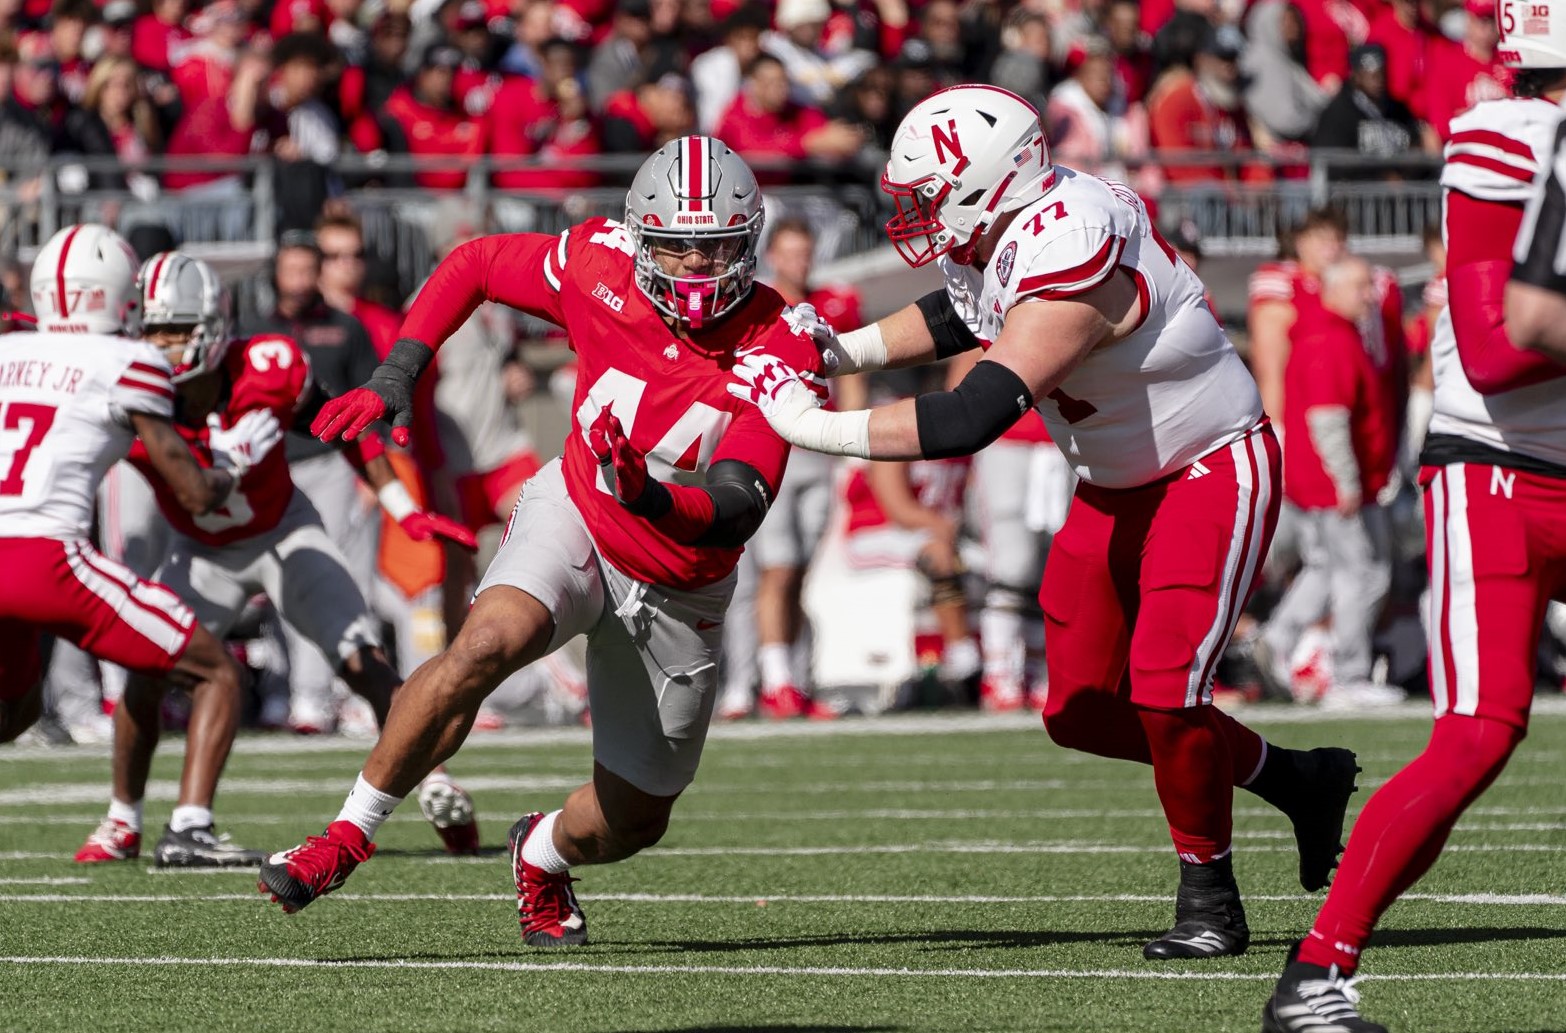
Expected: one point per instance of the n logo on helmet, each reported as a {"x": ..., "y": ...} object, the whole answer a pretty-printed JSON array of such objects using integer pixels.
[{"x": 947, "y": 140}]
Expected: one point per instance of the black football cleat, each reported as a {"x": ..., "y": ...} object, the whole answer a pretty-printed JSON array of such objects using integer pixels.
[
  {"x": 1319, "y": 810},
  {"x": 1313, "y": 999},
  {"x": 202, "y": 848},
  {"x": 1209, "y": 917}
]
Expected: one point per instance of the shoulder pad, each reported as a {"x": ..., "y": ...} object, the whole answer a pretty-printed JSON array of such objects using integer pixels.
[{"x": 1497, "y": 147}]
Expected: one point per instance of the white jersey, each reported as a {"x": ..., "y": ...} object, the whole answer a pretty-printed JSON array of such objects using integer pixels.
[
  {"x": 65, "y": 401},
  {"x": 1140, "y": 408},
  {"x": 1496, "y": 149}
]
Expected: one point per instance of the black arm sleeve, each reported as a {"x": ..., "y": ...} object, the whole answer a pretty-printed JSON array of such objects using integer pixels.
[
  {"x": 961, "y": 422},
  {"x": 951, "y": 334},
  {"x": 740, "y": 500},
  {"x": 1542, "y": 237}
]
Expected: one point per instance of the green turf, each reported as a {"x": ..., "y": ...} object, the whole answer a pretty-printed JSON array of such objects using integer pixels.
[{"x": 991, "y": 810}]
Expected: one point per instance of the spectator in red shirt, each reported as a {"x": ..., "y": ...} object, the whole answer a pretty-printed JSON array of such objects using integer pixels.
[
  {"x": 764, "y": 125},
  {"x": 1133, "y": 53},
  {"x": 1199, "y": 109},
  {"x": 545, "y": 117},
  {"x": 160, "y": 37},
  {"x": 422, "y": 118},
  {"x": 206, "y": 67},
  {"x": 717, "y": 73},
  {"x": 229, "y": 125},
  {"x": 1339, "y": 450},
  {"x": 1331, "y": 28},
  {"x": 1460, "y": 75},
  {"x": 1403, "y": 32},
  {"x": 649, "y": 116}
]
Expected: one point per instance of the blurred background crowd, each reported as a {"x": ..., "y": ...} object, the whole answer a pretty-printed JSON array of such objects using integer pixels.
[{"x": 324, "y": 154}]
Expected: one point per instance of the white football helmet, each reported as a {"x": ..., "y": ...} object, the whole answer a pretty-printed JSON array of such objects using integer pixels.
[
  {"x": 960, "y": 158},
  {"x": 179, "y": 292},
  {"x": 84, "y": 282},
  {"x": 1533, "y": 33},
  {"x": 695, "y": 195}
]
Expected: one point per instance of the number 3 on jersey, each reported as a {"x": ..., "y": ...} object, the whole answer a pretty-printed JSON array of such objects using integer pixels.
[{"x": 686, "y": 447}]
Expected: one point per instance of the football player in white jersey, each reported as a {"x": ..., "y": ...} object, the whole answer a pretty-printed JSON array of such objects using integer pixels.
[
  {"x": 1494, "y": 473},
  {"x": 1097, "y": 323},
  {"x": 74, "y": 395}
]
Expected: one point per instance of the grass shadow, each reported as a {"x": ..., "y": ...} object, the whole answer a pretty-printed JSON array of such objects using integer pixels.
[
  {"x": 1471, "y": 934},
  {"x": 938, "y": 939}
]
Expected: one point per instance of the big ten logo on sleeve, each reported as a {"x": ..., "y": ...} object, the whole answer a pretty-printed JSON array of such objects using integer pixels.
[{"x": 685, "y": 448}]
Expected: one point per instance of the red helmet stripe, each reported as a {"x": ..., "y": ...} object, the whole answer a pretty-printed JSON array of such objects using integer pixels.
[
  {"x": 59, "y": 272},
  {"x": 695, "y": 171},
  {"x": 152, "y": 285}
]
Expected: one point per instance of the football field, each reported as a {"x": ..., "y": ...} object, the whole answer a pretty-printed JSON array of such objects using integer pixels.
[{"x": 910, "y": 873}]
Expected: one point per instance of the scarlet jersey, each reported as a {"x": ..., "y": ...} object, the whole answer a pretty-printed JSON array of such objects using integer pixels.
[
  {"x": 1146, "y": 406},
  {"x": 1495, "y": 151},
  {"x": 1284, "y": 280},
  {"x": 1334, "y": 366},
  {"x": 667, "y": 392},
  {"x": 938, "y": 484},
  {"x": 65, "y": 401},
  {"x": 265, "y": 372}
]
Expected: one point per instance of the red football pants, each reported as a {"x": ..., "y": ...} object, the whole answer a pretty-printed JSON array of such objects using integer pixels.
[
  {"x": 1141, "y": 594},
  {"x": 1496, "y": 541},
  {"x": 66, "y": 588}
]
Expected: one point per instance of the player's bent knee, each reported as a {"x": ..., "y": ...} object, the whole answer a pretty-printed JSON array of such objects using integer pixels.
[{"x": 636, "y": 832}]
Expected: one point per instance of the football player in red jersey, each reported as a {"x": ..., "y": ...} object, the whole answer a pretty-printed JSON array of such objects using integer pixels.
[
  {"x": 1494, "y": 472},
  {"x": 77, "y": 393},
  {"x": 631, "y": 538},
  {"x": 267, "y": 537},
  {"x": 1097, "y": 324}
]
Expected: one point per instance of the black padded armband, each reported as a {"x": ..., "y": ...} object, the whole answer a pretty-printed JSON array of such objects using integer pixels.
[
  {"x": 740, "y": 500},
  {"x": 951, "y": 334},
  {"x": 960, "y": 422}
]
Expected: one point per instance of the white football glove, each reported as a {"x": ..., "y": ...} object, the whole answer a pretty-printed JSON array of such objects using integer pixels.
[
  {"x": 841, "y": 354},
  {"x": 240, "y": 447},
  {"x": 791, "y": 402}
]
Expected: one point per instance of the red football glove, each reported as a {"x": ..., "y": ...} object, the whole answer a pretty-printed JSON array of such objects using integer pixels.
[
  {"x": 422, "y": 526},
  {"x": 347, "y": 416},
  {"x": 624, "y": 468}
]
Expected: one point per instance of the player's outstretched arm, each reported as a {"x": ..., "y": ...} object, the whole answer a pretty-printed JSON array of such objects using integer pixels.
[
  {"x": 420, "y": 524},
  {"x": 234, "y": 450},
  {"x": 1041, "y": 343},
  {"x": 926, "y": 331}
]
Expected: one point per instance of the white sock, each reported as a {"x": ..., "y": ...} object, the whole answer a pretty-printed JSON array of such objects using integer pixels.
[
  {"x": 1001, "y": 631},
  {"x": 960, "y": 660},
  {"x": 126, "y": 813},
  {"x": 367, "y": 807},
  {"x": 539, "y": 848},
  {"x": 776, "y": 669},
  {"x": 189, "y": 816}
]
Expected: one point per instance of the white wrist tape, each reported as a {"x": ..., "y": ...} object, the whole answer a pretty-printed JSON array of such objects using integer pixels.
[
  {"x": 861, "y": 350},
  {"x": 835, "y": 433},
  {"x": 396, "y": 501}
]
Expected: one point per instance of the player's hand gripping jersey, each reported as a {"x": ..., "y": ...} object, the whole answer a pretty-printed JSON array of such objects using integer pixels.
[
  {"x": 65, "y": 401},
  {"x": 1142, "y": 407},
  {"x": 270, "y": 373},
  {"x": 667, "y": 392},
  {"x": 1512, "y": 401}
]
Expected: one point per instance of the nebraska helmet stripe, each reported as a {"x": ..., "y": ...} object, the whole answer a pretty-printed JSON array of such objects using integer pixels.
[{"x": 59, "y": 272}]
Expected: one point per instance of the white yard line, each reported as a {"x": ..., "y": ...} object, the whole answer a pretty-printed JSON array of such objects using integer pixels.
[
  {"x": 886, "y": 724},
  {"x": 762, "y": 899},
  {"x": 764, "y": 970},
  {"x": 46, "y": 881}
]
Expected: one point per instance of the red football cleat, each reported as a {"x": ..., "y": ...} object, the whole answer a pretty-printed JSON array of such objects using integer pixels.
[
  {"x": 546, "y": 906},
  {"x": 111, "y": 841},
  {"x": 998, "y": 697},
  {"x": 783, "y": 703},
  {"x": 449, "y": 808},
  {"x": 316, "y": 867}
]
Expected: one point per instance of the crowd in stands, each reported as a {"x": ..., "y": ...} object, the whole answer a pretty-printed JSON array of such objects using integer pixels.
[{"x": 559, "y": 81}]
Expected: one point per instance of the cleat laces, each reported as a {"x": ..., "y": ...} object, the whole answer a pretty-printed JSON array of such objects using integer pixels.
[
  {"x": 318, "y": 861},
  {"x": 549, "y": 902},
  {"x": 1333, "y": 999}
]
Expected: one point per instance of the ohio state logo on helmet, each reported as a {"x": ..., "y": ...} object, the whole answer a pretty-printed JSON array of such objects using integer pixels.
[{"x": 962, "y": 157}]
